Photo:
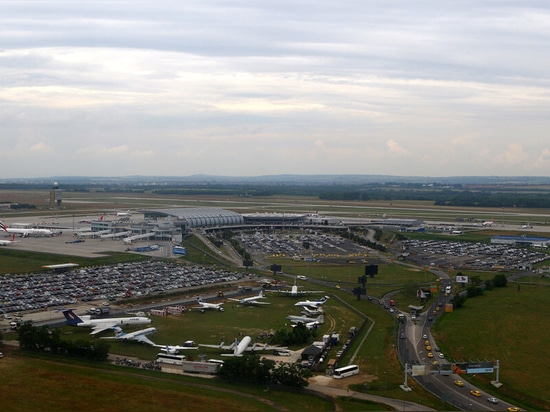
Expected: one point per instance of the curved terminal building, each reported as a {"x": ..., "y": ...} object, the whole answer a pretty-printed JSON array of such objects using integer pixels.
[{"x": 188, "y": 218}]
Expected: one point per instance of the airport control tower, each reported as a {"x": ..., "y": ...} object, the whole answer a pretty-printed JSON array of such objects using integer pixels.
[{"x": 55, "y": 196}]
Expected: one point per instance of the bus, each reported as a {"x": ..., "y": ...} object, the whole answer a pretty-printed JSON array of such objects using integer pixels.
[
  {"x": 346, "y": 371},
  {"x": 170, "y": 358}
]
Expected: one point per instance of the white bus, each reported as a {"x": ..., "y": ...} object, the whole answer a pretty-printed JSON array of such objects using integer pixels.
[
  {"x": 345, "y": 371},
  {"x": 170, "y": 358}
]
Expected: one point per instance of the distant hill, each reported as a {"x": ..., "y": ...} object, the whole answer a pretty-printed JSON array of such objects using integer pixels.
[{"x": 347, "y": 179}]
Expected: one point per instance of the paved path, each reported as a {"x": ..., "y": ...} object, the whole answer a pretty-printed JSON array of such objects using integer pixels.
[{"x": 397, "y": 404}]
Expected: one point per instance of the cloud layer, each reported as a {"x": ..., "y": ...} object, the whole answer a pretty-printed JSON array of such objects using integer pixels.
[{"x": 237, "y": 87}]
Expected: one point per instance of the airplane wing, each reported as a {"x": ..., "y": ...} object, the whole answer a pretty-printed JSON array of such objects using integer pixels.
[
  {"x": 257, "y": 346},
  {"x": 224, "y": 347},
  {"x": 98, "y": 329},
  {"x": 144, "y": 339},
  {"x": 176, "y": 348},
  {"x": 257, "y": 302},
  {"x": 300, "y": 292}
]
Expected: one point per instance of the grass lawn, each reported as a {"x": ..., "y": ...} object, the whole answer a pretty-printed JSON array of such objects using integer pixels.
[
  {"x": 506, "y": 324},
  {"x": 34, "y": 384}
]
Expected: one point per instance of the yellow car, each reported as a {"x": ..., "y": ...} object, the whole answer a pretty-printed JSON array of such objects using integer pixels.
[
  {"x": 428, "y": 348},
  {"x": 475, "y": 393},
  {"x": 513, "y": 409},
  {"x": 459, "y": 383},
  {"x": 426, "y": 342},
  {"x": 430, "y": 355}
]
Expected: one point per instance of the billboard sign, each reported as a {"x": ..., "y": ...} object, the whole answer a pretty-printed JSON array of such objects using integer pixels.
[
  {"x": 461, "y": 279},
  {"x": 418, "y": 370},
  {"x": 472, "y": 367}
]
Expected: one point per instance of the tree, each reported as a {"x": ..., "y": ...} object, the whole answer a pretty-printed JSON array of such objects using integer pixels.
[
  {"x": 256, "y": 370},
  {"x": 500, "y": 280},
  {"x": 459, "y": 300}
]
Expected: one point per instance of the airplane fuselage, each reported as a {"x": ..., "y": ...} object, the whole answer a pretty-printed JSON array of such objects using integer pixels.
[{"x": 138, "y": 320}]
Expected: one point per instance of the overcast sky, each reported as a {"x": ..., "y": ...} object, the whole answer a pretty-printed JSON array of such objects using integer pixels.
[{"x": 251, "y": 87}]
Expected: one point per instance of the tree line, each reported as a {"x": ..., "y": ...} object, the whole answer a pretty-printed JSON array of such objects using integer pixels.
[{"x": 44, "y": 339}]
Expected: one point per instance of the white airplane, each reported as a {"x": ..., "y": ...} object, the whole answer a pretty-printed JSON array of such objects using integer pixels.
[
  {"x": 99, "y": 325},
  {"x": 253, "y": 300},
  {"x": 24, "y": 232},
  {"x": 309, "y": 325},
  {"x": 295, "y": 292},
  {"x": 139, "y": 335},
  {"x": 239, "y": 348},
  {"x": 7, "y": 242},
  {"x": 124, "y": 214},
  {"x": 312, "y": 303},
  {"x": 488, "y": 223},
  {"x": 189, "y": 345},
  {"x": 205, "y": 305},
  {"x": 306, "y": 310},
  {"x": 304, "y": 319}
]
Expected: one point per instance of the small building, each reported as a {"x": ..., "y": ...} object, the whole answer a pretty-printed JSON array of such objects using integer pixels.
[
  {"x": 209, "y": 368},
  {"x": 311, "y": 353}
]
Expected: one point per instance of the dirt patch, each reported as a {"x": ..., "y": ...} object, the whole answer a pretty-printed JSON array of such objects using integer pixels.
[{"x": 341, "y": 383}]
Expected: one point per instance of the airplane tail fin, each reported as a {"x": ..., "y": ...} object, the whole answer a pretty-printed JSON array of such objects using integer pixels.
[
  {"x": 13, "y": 237},
  {"x": 71, "y": 317},
  {"x": 3, "y": 226}
]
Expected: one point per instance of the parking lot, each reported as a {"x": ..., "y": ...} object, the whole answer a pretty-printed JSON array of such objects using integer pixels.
[
  {"x": 470, "y": 255},
  {"x": 302, "y": 246},
  {"x": 39, "y": 291}
]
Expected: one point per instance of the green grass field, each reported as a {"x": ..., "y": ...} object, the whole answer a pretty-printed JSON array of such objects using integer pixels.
[{"x": 38, "y": 384}]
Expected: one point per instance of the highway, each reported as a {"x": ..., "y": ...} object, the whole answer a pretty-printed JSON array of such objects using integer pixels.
[{"x": 411, "y": 350}]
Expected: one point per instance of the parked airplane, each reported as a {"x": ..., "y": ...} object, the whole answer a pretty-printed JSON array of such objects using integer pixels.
[
  {"x": 238, "y": 348},
  {"x": 205, "y": 305},
  {"x": 124, "y": 214},
  {"x": 306, "y": 310},
  {"x": 312, "y": 303},
  {"x": 304, "y": 319},
  {"x": 99, "y": 325},
  {"x": 24, "y": 232},
  {"x": 7, "y": 242},
  {"x": 295, "y": 292},
  {"x": 189, "y": 345},
  {"x": 309, "y": 325},
  {"x": 253, "y": 300},
  {"x": 139, "y": 335},
  {"x": 488, "y": 223}
]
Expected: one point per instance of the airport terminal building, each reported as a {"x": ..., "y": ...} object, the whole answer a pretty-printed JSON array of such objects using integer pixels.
[
  {"x": 189, "y": 218},
  {"x": 542, "y": 242}
]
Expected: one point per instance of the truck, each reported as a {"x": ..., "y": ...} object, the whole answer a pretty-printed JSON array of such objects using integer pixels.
[{"x": 99, "y": 311}]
